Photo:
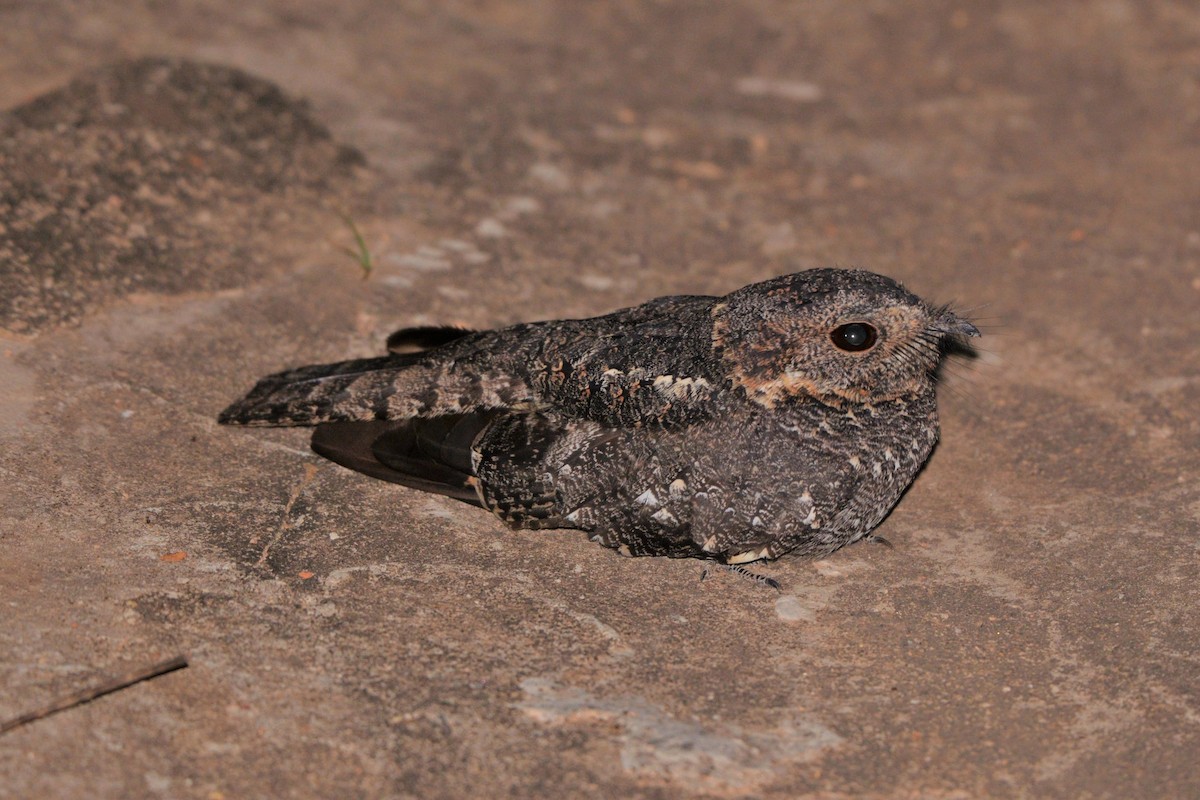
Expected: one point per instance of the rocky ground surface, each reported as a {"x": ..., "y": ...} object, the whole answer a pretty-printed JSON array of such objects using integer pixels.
[{"x": 179, "y": 184}]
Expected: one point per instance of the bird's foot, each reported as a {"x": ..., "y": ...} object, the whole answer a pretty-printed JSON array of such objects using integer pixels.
[{"x": 761, "y": 580}]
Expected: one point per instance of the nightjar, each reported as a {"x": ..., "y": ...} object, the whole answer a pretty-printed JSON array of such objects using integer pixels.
[{"x": 786, "y": 417}]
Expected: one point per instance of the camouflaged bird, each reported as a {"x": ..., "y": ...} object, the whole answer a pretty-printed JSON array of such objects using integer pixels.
[{"x": 786, "y": 417}]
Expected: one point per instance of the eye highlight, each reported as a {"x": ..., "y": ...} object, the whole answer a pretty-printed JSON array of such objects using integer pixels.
[{"x": 854, "y": 337}]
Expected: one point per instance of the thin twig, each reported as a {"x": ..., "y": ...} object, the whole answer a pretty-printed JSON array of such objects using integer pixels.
[
  {"x": 285, "y": 524},
  {"x": 88, "y": 695}
]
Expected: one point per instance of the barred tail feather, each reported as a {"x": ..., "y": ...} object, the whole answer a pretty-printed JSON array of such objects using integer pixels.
[
  {"x": 309, "y": 395},
  {"x": 391, "y": 387}
]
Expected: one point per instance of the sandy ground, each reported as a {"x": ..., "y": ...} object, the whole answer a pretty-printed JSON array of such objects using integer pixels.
[{"x": 171, "y": 230}]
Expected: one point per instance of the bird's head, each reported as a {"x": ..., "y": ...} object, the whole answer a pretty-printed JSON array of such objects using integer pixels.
[{"x": 838, "y": 336}]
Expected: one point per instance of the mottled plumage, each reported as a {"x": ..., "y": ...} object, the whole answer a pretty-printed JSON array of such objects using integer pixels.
[{"x": 788, "y": 416}]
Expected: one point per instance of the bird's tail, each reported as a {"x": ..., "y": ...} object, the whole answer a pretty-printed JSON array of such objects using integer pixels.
[
  {"x": 392, "y": 387},
  {"x": 349, "y": 390}
]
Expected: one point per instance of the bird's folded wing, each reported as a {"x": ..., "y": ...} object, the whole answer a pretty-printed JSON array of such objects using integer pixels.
[{"x": 649, "y": 365}]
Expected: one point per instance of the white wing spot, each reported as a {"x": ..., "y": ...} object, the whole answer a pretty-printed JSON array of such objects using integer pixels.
[
  {"x": 682, "y": 387},
  {"x": 648, "y": 498},
  {"x": 664, "y": 517}
]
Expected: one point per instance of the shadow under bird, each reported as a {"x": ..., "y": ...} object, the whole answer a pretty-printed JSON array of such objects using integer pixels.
[{"x": 786, "y": 417}]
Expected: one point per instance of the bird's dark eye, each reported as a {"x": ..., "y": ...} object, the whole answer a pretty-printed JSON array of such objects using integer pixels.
[{"x": 854, "y": 337}]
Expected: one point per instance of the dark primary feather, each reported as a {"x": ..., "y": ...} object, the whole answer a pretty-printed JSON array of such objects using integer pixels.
[{"x": 421, "y": 454}]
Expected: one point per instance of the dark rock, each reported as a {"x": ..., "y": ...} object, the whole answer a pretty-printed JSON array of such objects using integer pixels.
[{"x": 150, "y": 175}]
